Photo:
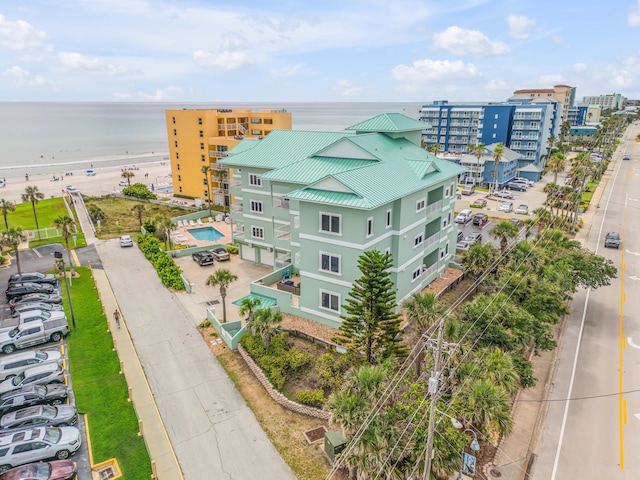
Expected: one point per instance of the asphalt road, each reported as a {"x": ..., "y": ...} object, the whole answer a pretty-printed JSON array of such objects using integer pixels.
[
  {"x": 596, "y": 433},
  {"x": 213, "y": 432}
]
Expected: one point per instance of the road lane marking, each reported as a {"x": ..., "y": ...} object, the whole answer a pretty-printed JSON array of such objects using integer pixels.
[
  {"x": 632, "y": 277},
  {"x": 637, "y": 415},
  {"x": 632, "y": 343},
  {"x": 633, "y": 199},
  {"x": 632, "y": 253},
  {"x": 625, "y": 412}
]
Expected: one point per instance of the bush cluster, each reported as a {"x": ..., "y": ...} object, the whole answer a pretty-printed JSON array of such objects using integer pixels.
[
  {"x": 232, "y": 248},
  {"x": 314, "y": 398},
  {"x": 167, "y": 270},
  {"x": 279, "y": 360},
  {"x": 139, "y": 190}
]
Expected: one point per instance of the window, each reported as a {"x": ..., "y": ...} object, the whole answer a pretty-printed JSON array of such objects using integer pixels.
[
  {"x": 175, "y": 143},
  {"x": 330, "y": 223},
  {"x": 177, "y": 156},
  {"x": 205, "y": 181},
  {"x": 255, "y": 206},
  {"x": 415, "y": 275},
  {"x": 387, "y": 250},
  {"x": 201, "y": 134},
  {"x": 441, "y": 253},
  {"x": 201, "y": 146},
  {"x": 255, "y": 180},
  {"x": 329, "y": 301},
  {"x": 420, "y": 204},
  {"x": 179, "y": 188},
  {"x": 179, "y": 178},
  {"x": 199, "y": 120},
  {"x": 257, "y": 232},
  {"x": 175, "y": 132},
  {"x": 388, "y": 222},
  {"x": 173, "y": 120},
  {"x": 369, "y": 227},
  {"x": 496, "y": 116},
  {"x": 206, "y": 193},
  {"x": 329, "y": 263},
  {"x": 202, "y": 158},
  {"x": 446, "y": 193},
  {"x": 418, "y": 240}
]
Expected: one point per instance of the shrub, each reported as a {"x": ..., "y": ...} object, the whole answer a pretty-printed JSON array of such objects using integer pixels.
[
  {"x": 3, "y": 260},
  {"x": 149, "y": 226},
  {"x": 232, "y": 248},
  {"x": 331, "y": 370},
  {"x": 139, "y": 190},
  {"x": 205, "y": 324},
  {"x": 167, "y": 270},
  {"x": 315, "y": 398}
]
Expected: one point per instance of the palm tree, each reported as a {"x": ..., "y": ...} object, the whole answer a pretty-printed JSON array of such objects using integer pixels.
[
  {"x": 497, "y": 154},
  {"x": 139, "y": 209},
  {"x": 6, "y": 206},
  {"x": 221, "y": 176},
  {"x": 33, "y": 195},
  {"x": 266, "y": 323},
  {"x": 248, "y": 306},
  {"x": 128, "y": 175},
  {"x": 166, "y": 227},
  {"x": 506, "y": 231},
  {"x": 487, "y": 407},
  {"x": 96, "y": 213},
  {"x": 557, "y": 163},
  {"x": 222, "y": 278},
  {"x": 12, "y": 238},
  {"x": 434, "y": 148},
  {"x": 422, "y": 310},
  {"x": 205, "y": 170},
  {"x": 64, "y": 223}
]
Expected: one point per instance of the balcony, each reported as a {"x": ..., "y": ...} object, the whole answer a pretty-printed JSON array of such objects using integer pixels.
[
  {"x": 217, "y": 154},
  {"x": 238, "y": 231},
  {"x": 434, "y": 207},
  {"x": 281, "y": 202},
  {"x": 431, "y": 240},
  {"x": 283, "y": 232},
  {"x": 428, "y": 271},
  {"x": 236, "y": 181},
  {"x": 237, "y": 208},
  {"x": 282, "y": 260}
]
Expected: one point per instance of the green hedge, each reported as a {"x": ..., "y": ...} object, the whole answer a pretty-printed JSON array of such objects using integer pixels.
[{"x": 167, "y": 270}]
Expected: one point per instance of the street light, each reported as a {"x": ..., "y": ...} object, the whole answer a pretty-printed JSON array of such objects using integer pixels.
[
  {"x": 475, "y": 446},
  {"x": 60, "y": 264}
]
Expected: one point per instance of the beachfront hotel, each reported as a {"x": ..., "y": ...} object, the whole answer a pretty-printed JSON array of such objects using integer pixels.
[
  {"x": 310, "y": 203},
  {"x": 200, "y": 137}
]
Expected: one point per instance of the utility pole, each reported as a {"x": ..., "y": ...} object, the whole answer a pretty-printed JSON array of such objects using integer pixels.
[{"x": 434, "y": 380}]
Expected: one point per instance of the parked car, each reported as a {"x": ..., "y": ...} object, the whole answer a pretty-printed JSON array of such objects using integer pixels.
[
  {"x": 526, "y": 181},
  {"x": 35, "y": 297},
  {"x": 33, "y": 277},
  {"x": 506, "y": 207},
  {"x": 72, "y": 189},
  {"x": 29, "y": 307},
  {"x": 626, "y": 156},
  {"x": 21, "y": 289},
  {"x": 516, "y": 221},
  {"x": 32, "y": 333},
  {"x": 220, "y": 254},
  {"x": 39, "y": 416},
  {"x": 480, "y": 202},
  {"x": 612, "y": 240},
  {"x": 126, "y": 241},
  {"x": 521, "y": 187},
  {"x": 464, "y": 216},
  {"x": 41, "y": 316},
  {"x": 480, "y": 219},
  {"x": 463, "y": 246},
  {"x": 474, "y": 237},
  {"x": 53, "y": 470},
  {"x": 522, "y": 210},
  {"x": 16, "y": 363},
  {"x": 40, "y": 375},
  {"x": 503, "y": 194},
  {"x": 123, "y": 183},
  {"x": 202, "y": 258},
  {"x": 51, "y": 394},
  {"x": 38, "y": 444},
  {"x": 468, "y": 190}
]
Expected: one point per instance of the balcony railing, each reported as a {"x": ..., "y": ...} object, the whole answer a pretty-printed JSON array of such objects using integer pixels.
[
  {"x": 236, "y": 181},
  {"x": 217, "y": 154},
  {"x": 426, "y": 271},
  {"x": 283, "y": 260},
  {"x": 281, "y": 202},
  {"x": 434, "y": 207},
  {"x": 431, "y": 240},
  {"x": 238, "y": 232},
  {"x": 282, "y": 232},
  {"x": 237, "y": 208}
]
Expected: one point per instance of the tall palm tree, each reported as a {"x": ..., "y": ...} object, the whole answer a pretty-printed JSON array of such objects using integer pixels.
[
  {"x": 205, "y": 170},
  {"x": 221, "y": 175},
  {"x": 422, "y": 310},
  {"x": 222, "y": 278},
  {"x": 33, "y": 195},
  {"x": 434, "y": 148},
  {"x": 128, "y": 175},
  {"x": 487, "y": 406},
  {"x": 12, "y": 238},
  {"x": 66, "y": 225},
  {"x": 6, "y": 206},
  {"x": 477, "y": 151},
  {"x": 557, "y": 163},
  {"x": 139, "y": 209},
  {"x": 505, "y": 231},
  {"x": 248, "y": 305},
  {"x": 166, "y": 227},
  {"x": 497, "y": 154},
  {"x": 266, "y": 323}
]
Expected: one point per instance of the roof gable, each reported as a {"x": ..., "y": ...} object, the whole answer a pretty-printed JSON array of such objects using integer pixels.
[
  {"x": 345, "y": 148},
  {"x": 331, "y": 184},
  {"x": 388, "y": 122}
]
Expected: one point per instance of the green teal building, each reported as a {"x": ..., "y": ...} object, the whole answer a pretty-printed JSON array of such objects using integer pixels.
[{"x": 310, "y": 203}]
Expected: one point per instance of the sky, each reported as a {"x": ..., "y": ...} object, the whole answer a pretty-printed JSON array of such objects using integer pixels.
[{"x": 302, "y": 51}]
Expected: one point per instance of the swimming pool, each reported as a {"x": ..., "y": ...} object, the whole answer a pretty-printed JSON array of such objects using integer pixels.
[
  {"x": 164, "y": 190},
  {"x": 205, "y": 233}
]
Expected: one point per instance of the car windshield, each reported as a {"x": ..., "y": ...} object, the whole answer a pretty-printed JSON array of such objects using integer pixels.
[
  {"x": 42, "y": 355},
  {"x": 49, "y": 412},
  {"x": 45, "y": 314},
  {"x": 36, "y": 471},
  {"x": 14, "y": 332},
  {"x": 17, "y": 380},
  {"x": 52, "y": 435}
]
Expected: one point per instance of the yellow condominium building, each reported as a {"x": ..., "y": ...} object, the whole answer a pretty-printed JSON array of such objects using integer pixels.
[
  {"x": 199, "y": 137},
  {"x": 563, "y": 94}
]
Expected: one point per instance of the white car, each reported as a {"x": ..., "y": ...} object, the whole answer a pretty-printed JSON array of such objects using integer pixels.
[
  {"x": 72, "y": 189},
  {"x": 503, "y": 194},
  {"x": 38, "y": 444},
  {"x": 464, "y": 216},
  {"x": 123, "y": 183},
  {"x": 42, "y": 374},
  {"x": 16, "y": 363},
  {"x": 41, "y": 316},
  {"x": 506, "y": 207},
  {"x": 126, "y": 241},
  {"x": 522, "y": 210}
]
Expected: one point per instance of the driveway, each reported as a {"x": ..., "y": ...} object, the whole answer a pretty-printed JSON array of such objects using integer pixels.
[{"x": 213, "y": 432}]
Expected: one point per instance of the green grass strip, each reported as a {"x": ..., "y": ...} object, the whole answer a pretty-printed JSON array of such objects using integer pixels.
[{"x": 101, "y": 392}]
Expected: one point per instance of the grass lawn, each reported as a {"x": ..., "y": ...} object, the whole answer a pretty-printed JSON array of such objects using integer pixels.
[
  {"x": 120, "y": 210},
  {"x": 101, "y": 392}
]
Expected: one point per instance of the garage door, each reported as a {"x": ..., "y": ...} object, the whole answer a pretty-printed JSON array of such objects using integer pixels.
[
  {"x": 248, "y": 253},
  {"x": 266, "y": 257}
]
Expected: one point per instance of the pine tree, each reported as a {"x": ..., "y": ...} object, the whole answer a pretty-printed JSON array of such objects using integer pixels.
[{"x": 371, "y": 325}]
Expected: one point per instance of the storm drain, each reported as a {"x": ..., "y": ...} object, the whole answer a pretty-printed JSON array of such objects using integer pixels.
[
  {"x": 495, "y": 473},
  {"x": 212, "y": 302},
  {"x": 315, "y": 435},
  {"x": 107, "y": 472}
]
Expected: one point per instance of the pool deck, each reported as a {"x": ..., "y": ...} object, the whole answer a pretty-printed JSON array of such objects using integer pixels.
[{"x": 222, "y": 227}]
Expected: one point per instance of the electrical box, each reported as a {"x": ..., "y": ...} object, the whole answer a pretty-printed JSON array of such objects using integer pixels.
[{"x": 334, "y": 443}]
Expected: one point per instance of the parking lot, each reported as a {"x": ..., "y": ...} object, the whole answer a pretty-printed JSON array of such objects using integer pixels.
[{"x": 41, "y": 260}]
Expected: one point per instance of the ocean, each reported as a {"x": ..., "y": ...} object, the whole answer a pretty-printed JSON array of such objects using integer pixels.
[{"x": 52, "y": 138}]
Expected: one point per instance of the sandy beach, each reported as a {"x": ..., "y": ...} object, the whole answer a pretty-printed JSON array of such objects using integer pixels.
[{"x": 104, "y": 182}]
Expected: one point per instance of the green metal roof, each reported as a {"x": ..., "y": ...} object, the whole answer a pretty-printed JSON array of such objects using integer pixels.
[
  {"x": 313, "y": 169},
  {"x": 389, "y": 122},
  {"x": 283, "y": 147},
  {"x": 246, "y": 144},
  {"x": 265, "y": 302}
]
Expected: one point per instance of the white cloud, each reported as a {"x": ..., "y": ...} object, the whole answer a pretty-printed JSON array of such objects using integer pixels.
[
  {"x": 19, "y": 35},
  {"x": 579, "y": 67},
  {"x": 520, "y": 26},
  {"x": 634, "y": 16},
  {"x": 166, "y": 93},
  {"x": 286, "y": 72},
  {"x": 348, "y": 89},
  {"x": 23, "y": 77},
  {"x": 463, "y": 42},
  {"x": 227, "y": 60},
  {"x": 497, "y": 85},
  {"x": 426, "y": 71},
  {"x": 93, "y": 65},
  {"x": 551, "y": 79},
  {"x": 560, "y": 41}
]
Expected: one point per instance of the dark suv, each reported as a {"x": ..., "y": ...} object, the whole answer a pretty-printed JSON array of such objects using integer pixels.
[
  {"x": 612, "y": 240},
  {"x": 20, "y": 289},
  {"x": 35, "y": 297},
  {"x": 52, "y": 394},
  {"x": 33, "y": 277},
  {"x": 203, "y": 258},
  {"x": 480, "y": 218}
]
